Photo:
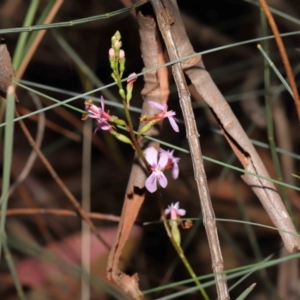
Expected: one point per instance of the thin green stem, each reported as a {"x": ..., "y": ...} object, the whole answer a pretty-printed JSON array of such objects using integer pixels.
[
  {"x": 13, "y": 272},
  {"x": 72, "y": 23},
  {"x": 7, "y": 159},
  {"x": 40, "y": 20},
  {"x": 179, "y": 249},
  {"x": 19, "y": 52},
  {"x": 137, "y": 147},
  {"x": 269, "y": 114}
]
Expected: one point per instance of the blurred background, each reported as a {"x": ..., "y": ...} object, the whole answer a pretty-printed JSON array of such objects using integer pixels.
[{"x": 238, "y": 72}]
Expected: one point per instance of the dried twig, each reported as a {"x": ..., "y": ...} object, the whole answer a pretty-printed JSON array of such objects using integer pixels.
[
  {"x": 59, "y": 212},
  {"x": 166, "y": 18},
  {"x": 76, "y": 137}
]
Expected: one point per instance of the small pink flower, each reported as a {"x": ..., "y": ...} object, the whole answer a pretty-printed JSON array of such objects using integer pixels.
[
  {"x": 173, "y": 162},
  {"x": 99, "y": 114},
  {"x": 165, "y": 114},
  {"x": 131, "y": 79},
  {"x": 175, "y": 211},
  {"x": 111, "y": 53},
  {"x": 156, "y": 167},
  {"x": 121, "y": 54}
]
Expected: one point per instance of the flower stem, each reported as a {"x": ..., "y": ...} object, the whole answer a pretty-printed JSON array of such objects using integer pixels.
[
  {"x": 137, "y": 146},
  {"x": 179, "y": 249}
]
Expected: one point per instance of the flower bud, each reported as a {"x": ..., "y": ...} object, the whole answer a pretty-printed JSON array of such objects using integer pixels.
[
  {"x": 121, "y": 54},
  {"x": 117, "y": 35},
  {"x": 111, "y": 53},
  {"x": 117, "y": 121},
  {"x": 131, "y": 79},
  {"x": 175, "y": 232},
  {"x": 117, "y": 45},
  {"x": 145, "y": 128},
  {"x": 122, "y": 66},
  {"x": 122, "y": 137}
]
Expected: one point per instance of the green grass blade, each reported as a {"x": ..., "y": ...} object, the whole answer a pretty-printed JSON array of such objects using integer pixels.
[
  {"x": 7, "y": 158},
  {"x": 72, "y": 23},
  {"x": 272, "y": 65},
  {"x": 246, "y": 292},
  {"x": 13, "y": 272},
  {"x": 40, "y": 20},
  {"x": 19, "y": 52}
]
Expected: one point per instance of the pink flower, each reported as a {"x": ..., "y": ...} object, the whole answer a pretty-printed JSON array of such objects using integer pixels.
[
  {"x": 99, "y": 114},
  {"x": 173, "y": 162},
  {"x": 175, "y": 211},
  {"x": 165, "y": 114},
  {"x": 111, "y": 53},
  {"x": 121, "y": 54},
  {"x": 156, "y": 168},
  {"x": 131, "y": 79}
]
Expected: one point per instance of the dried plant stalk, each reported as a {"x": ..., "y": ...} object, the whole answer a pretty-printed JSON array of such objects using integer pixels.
[{"x": 165, "y": 19}]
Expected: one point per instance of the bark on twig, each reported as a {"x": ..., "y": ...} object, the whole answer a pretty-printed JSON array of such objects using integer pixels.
[
  {"x": 236, "y": 137},
  {"x": 156, "y": 89},
  {"x": 165, "y": 18}
]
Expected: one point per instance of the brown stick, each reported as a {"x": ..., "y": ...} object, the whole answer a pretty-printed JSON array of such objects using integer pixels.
[
  {"x": 156, "y": 89},
  {"x": 236, "y": 136},
  {"x": 165, "y": 18},
  {"x": 283, "y": 54},
  {"x": 58, "y": 212}
]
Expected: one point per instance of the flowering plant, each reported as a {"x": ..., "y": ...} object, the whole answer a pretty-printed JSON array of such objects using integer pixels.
[{"x": 156, "y": 162}]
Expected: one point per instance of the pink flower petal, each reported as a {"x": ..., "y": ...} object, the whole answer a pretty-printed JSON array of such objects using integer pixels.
[
  {"x": 163, "y": 160},
  {"x": 163, "y": 181},
  {"x": 158, "y": 105},
  {"x": 102, "y": 103},
  {"x": 151, "y": 156},
  {"x": 94, "y": 111},
  {"x": 173, "y": 124},
  {"x": 181, "y": 212},
  {"x": 167, "y": 211},
  {"x": 175, "y": 211},
  {"x": 131, "y": 79},
  {"x": 151, "y": 184},
  {"x": 175, "y": 170}
]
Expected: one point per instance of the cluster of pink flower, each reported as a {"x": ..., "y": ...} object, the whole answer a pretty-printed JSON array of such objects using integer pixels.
[
  {"x": 160, "y": 162},
  {"x": 99, "y": 114},
  {"x": 166, "y": 159}
]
